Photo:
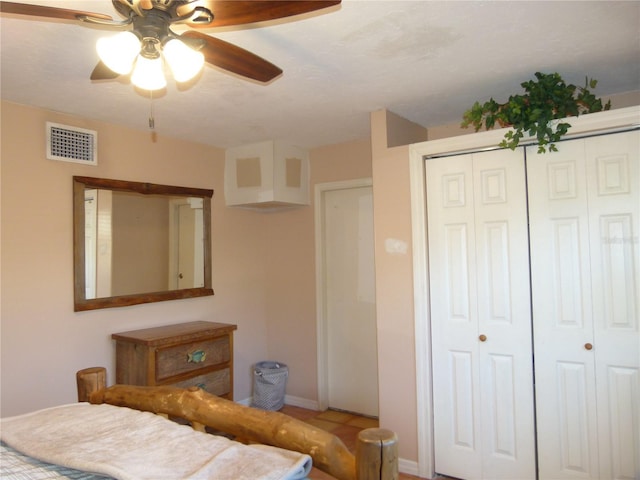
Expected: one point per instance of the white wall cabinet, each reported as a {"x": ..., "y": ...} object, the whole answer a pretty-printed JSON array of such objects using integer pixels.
[
  {"x": 266, "y": 176},
  {"x": 582, "y": 205}
]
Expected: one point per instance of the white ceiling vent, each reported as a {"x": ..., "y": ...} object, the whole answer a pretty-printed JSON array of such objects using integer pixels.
[{"x": 72, "y": 144}]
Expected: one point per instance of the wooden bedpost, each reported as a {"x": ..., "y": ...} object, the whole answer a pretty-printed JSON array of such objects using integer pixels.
[
  {"x": 247, "y": 424},
  {"x": 376, "y": 450},
  {"x": 90, "y": 380},
  {"x": 377, "y": 455}
]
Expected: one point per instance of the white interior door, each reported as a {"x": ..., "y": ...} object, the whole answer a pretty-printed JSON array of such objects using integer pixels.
[
  {"x": 90, "y": 241},
  {"x": 186, "y": 246},
  {"x": 186, "y": 243},
  {"x": 98, "y": 242},
  {"x": 480, "y": 311},
  {"x": 584, "y": 209},
  {"x": 349, "y": 296}
]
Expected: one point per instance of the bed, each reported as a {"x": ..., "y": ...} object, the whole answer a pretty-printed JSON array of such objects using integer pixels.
[{"x": 181, "y": 434}]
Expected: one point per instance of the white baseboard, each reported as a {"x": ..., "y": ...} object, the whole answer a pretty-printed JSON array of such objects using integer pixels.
[
  {"x": 301, "y": 402},
  {"x": 408, "y": 466},
  {"x": 289, "y": 400}
]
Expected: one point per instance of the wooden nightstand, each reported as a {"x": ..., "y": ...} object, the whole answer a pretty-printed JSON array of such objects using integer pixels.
[{"x": 183, "y": 355}]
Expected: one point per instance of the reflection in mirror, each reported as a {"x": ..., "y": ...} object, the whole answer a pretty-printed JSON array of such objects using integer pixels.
[{"x": 139, "y": 243}]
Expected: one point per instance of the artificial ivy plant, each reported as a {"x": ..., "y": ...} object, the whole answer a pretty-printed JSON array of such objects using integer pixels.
[{"x": 546, "y": 99}]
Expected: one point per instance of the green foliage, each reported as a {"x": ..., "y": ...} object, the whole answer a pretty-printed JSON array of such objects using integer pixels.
[{"x": 546, "y": 100}]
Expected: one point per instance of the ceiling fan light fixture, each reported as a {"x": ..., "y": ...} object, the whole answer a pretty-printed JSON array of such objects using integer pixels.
[
  {"x": 118, "y": 52},
  {"x": 185, "y": 62},
  {"x": 148, "y": 73}
]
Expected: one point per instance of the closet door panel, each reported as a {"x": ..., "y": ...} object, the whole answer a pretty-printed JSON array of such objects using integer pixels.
[
  {"x": 454, "y": 324},
  {"x": 584, "y": 208},
  {"x": 620, "y": 456},
  {"x": 572, "y": 414},
  {"x": 562, "y": 313},
  {"x": 613, "y": 172},
  {"x": 481, "y": 317},
  {"x": 504, "y": 315},
  {"x": 502, "y": 398},
  {"x": 462, "y": 375},
  {"x": 456, "y": 264},
  {"x": 567, "y": 272}
]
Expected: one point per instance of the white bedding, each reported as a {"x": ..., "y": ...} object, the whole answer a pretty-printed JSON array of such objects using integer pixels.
[
  {"x": 130, "y": 445},
  {"x": 16, "y": 466}
]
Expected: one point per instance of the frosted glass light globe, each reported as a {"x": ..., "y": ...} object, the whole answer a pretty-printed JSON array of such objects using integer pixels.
[
  {"x": 185, "y": 62},
  {"x": 119, "y": 51},
  {"x": 148, "y": 74}
]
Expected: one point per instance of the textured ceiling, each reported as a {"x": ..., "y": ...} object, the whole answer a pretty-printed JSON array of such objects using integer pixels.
[{"x": 425, "y": 60}]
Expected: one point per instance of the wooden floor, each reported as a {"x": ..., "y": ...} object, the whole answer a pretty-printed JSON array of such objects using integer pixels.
[{"x": 344, "y": 425}]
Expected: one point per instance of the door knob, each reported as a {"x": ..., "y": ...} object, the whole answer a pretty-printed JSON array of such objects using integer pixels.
[
  {"x": 588, "y": 346},
  {"x": 482, "y": 338}
]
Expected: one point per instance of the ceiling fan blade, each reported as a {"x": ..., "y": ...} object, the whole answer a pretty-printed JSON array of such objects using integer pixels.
[
  {"x": 125, "y": 7},
  {"x": 102, "y": 72},
  {"x": 240, "y": 12},
  {"x": 50, "y": 12},
  {"x": 235, "y": 59}
]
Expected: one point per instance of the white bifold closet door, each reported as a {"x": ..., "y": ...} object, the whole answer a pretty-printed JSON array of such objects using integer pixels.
[
  {"x": 584, "y": 206},
  {"x": 481, "y": 317}
]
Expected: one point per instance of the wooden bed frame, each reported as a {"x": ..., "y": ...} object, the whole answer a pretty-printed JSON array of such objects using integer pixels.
[{"x": 376, "y": 455}]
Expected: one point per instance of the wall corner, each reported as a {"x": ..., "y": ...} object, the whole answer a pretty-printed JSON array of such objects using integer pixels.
[{"x": 391, "y": 130}]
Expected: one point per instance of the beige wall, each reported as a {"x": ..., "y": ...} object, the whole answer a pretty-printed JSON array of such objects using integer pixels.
[
  {"x": 43, "y": 341},
  {"x": 140, "y": 244},
  {"x": 290, "y": 260},
  {"x": 263, "y": 263},
  {"x": 394, "y": 282}
]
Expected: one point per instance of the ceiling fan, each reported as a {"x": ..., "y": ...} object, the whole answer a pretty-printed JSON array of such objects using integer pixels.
[{"x": 148, "y": 35}]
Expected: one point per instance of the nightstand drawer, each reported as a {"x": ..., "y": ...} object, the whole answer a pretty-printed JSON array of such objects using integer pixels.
[
  {"x": 192, "y": 356},
  {"x": 217, "y": 383}
]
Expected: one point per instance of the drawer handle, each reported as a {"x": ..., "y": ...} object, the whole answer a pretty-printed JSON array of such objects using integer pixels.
[{"x": 196, "y": 357}]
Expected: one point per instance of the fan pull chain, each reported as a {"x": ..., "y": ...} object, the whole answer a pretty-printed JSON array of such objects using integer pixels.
[{"x": 152, "y": 121}]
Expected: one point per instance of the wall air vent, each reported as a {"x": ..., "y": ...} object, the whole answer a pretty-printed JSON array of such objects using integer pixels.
[{"x": 72, "y": 144}]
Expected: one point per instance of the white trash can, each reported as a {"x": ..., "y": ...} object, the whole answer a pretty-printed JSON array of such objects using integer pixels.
[{"x": 269, "y": 385}]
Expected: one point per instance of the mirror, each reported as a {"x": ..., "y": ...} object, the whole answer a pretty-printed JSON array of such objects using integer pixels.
[{"x": 139, "y": 243}]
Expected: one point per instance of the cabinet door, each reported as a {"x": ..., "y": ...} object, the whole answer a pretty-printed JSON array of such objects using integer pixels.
[
  {"x": 584, "y": 207},
  {"x": 481, "y": 323}
]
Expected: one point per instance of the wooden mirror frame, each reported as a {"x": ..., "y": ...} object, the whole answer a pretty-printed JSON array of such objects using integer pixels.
[{"x": 79, "y": 185}]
